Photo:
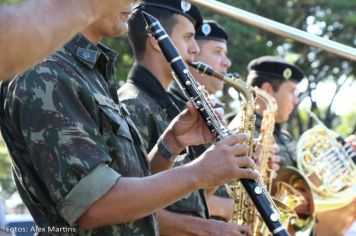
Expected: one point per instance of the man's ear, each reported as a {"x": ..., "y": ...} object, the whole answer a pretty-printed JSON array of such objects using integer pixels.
[
  {"x": 267, "y": 87},
  {"x": 153, "y": 43}
]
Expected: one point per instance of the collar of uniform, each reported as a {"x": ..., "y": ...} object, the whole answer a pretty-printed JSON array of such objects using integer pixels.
[
  {"x": 143, "y": 78},
  {"x": 111, "y": 54},
  {"x": 87, "y": 52},
  {"x": 146, "y": 81},
  {"x": 176, "y": 91}
]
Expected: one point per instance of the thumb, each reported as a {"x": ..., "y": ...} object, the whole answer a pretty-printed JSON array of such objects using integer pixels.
[{"x": 190, "y": 107}]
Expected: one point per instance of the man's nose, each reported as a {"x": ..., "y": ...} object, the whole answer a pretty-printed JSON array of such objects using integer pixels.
[
  {"x": 226, "y": 62},
  {"x": 194, "y": 48}
]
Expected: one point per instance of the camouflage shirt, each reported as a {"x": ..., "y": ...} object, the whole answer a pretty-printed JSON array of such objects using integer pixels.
[
  {"x": 181, "y": 99},
  {"x": 71, "y": 140},
  {"x": 152, "y": 110},
  {"x": 285, "y": 141}
]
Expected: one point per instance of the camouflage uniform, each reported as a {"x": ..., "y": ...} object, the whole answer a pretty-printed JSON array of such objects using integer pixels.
[
  {"x": 180, "y": 100},
  {"x": 70, "y": 138},
  {"x": 178, "y": 97},
  {"x": 284, "y": 140},
  {"x": 152, "y": 110}
]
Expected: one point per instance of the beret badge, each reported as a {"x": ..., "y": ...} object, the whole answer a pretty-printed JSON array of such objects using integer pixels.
[
  {"x": 206, "y": 29},
  {"x": 287, "y": 73},
  {"x": 185, "y": 6}
]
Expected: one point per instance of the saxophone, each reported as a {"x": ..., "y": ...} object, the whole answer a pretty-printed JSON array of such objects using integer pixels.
[
  {"x": 244, "y": 211},
  {"x": 286, "y": 197},
  {"x": 195, "y": 93}
]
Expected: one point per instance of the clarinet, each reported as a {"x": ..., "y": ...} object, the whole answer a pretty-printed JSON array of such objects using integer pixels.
[{"x": 195, "y": 92}]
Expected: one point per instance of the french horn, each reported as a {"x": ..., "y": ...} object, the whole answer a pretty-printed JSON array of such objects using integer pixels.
[{"x": 327, "y": 162}]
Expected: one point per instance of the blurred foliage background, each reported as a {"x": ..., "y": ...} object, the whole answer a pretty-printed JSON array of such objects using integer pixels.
[{"x": 327, "y": 75}]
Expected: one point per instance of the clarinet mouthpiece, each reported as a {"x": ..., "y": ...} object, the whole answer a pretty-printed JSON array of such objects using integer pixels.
[{"x": 148, "y": 18}]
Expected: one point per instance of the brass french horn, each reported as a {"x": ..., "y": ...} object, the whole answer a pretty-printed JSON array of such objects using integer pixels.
[
  {"x": 325, "y": 160},
  {"x": 302, "y": 218}
]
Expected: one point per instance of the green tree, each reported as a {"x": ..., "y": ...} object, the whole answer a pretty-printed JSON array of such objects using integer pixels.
[{"x": 333, "y": 19}]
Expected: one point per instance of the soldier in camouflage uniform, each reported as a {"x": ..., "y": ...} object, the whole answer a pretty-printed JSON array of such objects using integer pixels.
[
  {"x": 79, "y": 163},
  {"x": 144, "y": 94}
]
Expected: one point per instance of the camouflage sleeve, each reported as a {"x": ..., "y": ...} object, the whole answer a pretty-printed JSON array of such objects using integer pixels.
[
  {"x": 53, "y": 113},
  {"x": 142, "y": 117}
]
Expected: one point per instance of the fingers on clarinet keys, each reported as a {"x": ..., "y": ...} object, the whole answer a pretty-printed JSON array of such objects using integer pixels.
[
  {"x": 234, "y": 139},
  {"x": 246, "y": 168}
]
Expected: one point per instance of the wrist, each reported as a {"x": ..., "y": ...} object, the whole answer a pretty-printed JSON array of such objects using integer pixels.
[
  {"x": 171, "y": 143},
  {"x": 165, "y": 151},
  {"x": 196, "y": 178}
]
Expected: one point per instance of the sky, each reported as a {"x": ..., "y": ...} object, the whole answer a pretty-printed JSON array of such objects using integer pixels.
[{"x": 344, "y": 102}]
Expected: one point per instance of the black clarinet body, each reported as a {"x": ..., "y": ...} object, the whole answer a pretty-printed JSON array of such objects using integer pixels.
[{"x": 195, "y": 93}]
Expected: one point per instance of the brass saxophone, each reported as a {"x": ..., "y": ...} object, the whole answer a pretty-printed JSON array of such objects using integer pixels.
[
  {"x": 286, "y": 197},
  {"x": 244, "y": 211}
]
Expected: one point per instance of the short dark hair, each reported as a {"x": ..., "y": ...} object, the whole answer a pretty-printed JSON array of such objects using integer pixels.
[{"x": 137, "y": 27}]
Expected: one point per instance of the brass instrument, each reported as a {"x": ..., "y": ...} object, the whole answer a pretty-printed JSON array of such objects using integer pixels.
[
  {"x": 266, "y": 134},
  {"x": 328, "y": 167},
  {"x": 300, "y": 223},
  {"x": 289, "y": 185},
  {"x": 286, "y": 197},
  {"x": 243, "y": 209}
]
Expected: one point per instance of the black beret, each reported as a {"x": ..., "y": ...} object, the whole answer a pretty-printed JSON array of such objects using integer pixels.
[
  {"x": 275, "y": 68},
  {"x": 210, "y": 30},
  {"x": 182, "y": 7}
]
